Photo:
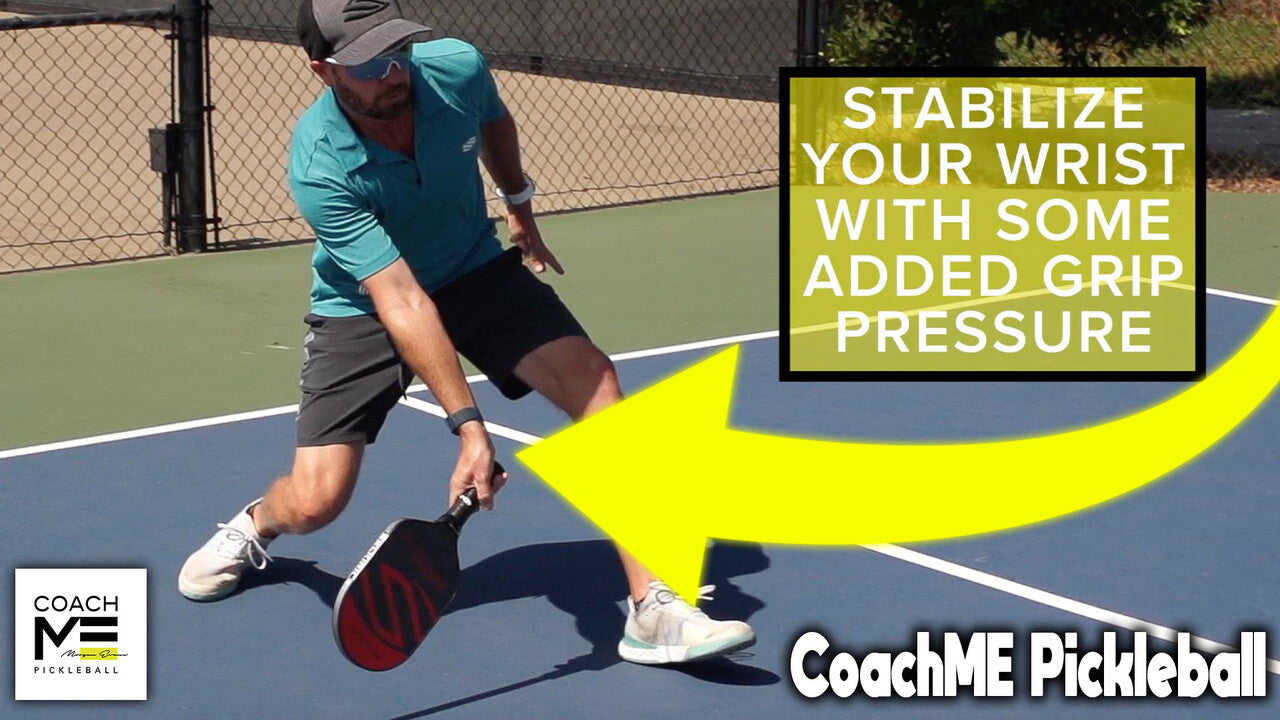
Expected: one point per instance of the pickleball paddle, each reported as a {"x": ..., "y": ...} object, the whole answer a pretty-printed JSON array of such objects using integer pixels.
[{"x": 397, "y": 592}]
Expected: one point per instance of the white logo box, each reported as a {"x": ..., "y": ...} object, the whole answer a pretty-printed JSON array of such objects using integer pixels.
[{"x": 90, "y": 625}]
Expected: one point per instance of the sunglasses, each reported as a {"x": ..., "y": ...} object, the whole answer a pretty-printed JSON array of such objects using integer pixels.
[{"x": 380, "y": 67}]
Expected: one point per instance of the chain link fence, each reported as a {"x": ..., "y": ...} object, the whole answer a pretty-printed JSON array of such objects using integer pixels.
[
  {"x": 1235, "y": 40},
  {"x": 78, "y": 98},
  {"x": 618, "y": 102}
]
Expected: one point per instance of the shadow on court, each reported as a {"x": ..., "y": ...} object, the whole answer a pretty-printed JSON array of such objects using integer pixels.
[
  {"x": 558, "y": 572},
  {"x": 286, "y": 570}
]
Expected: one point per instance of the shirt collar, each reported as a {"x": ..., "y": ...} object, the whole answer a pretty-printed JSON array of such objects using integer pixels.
[{"x": 351, "y": 152}]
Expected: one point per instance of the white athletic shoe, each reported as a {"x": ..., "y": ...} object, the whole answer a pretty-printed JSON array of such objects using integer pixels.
[
  {"x": 663, "y": 628},
  {"x": 213, "y": 571}
]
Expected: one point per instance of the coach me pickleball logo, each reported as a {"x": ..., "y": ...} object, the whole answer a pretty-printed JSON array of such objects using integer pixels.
[{"x": 80, "y": 634}]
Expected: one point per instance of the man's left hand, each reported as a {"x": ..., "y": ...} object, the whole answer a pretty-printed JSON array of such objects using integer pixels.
[{"x": 524, "y": 233}]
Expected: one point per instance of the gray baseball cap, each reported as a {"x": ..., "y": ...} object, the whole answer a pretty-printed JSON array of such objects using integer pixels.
[{"x": 353, "y": 31}]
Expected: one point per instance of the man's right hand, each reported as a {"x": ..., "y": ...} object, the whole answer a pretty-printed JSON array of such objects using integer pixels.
[{"x": 475, "y": 466}]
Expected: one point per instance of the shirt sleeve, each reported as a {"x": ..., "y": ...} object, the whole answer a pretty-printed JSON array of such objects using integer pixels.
[
  {"x": 486, "y": 92},
  {"x": 345, "y": 225}
]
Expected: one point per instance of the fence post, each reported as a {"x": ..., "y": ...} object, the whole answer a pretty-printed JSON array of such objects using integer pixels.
[
  {"x": 192, "y": 212},
  {"x": 807, "y": 40}
]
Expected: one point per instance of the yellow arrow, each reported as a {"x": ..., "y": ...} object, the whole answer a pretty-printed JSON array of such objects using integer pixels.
[{"x": 661, "y": 472}]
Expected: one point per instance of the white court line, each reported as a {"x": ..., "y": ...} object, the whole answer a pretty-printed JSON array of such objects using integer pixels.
[
  {"x": 431, "y": 408},
  {"x": 995, "y": 582},
  {"x": 653, "y": 352},
  {"x": 285, "y": 409},
  {"x": 1000, "y": 299},
  {"x": 1052, "y": 600},
  {"x": 979, "y": 302},
  {"x": 147, "y": 432},
  {"x": 1241, "y": 296},
  {"x": 695, "y": 345}
]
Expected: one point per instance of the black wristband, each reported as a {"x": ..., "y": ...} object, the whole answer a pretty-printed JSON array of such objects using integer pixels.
[{"x": 465, "y": 415}]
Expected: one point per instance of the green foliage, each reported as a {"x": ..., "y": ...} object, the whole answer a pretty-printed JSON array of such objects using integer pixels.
[
  {"x": 1085, "y": 32},
  {"x": 915, "y": 33},
  {"x": 965, "y": 32}
]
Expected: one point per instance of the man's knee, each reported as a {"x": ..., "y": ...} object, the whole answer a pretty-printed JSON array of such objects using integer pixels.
[
  {"x": 317, "y": 489},
  {"x": 599, "y": 370},
  {"x": 593, "y": 383},
  {"x": 317, "y": 505},
  {"x": 573, "y": 374}
]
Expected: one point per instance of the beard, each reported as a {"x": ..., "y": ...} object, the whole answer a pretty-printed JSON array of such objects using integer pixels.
[{"x": 390, "y": 104}]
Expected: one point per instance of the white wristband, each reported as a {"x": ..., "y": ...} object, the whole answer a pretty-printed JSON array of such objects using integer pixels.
[{"x": 521, "y": 197}]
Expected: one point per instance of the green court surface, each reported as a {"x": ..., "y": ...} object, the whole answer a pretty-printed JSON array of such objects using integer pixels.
[
  {"x": 116, "y": 347},
  {"x": 1243, "y": 243}
]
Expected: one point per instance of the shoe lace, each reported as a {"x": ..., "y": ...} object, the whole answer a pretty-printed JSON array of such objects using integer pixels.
[
  {"x": 664, "y": 595},
  {"x": 236, "y": 543}
]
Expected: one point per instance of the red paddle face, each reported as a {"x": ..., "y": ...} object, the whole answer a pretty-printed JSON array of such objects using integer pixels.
[{"x": 391, "y": 601}]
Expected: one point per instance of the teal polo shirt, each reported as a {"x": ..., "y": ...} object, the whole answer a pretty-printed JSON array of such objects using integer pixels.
[{"x": 370, "y": 206}]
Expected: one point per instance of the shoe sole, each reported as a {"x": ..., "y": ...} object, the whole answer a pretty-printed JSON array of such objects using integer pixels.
[
  {"x": 675, "y": 654},
  {"x": 191, "y": 593}
]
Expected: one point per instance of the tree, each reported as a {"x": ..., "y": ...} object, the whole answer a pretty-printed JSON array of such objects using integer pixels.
[{"x": 920, "y": 33}]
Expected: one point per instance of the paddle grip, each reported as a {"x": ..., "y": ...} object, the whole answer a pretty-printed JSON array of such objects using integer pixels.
[{"x": 466, "y": 505}]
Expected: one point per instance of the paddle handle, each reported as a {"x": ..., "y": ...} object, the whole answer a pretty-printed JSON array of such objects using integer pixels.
[{"x": 466, "y": 505}]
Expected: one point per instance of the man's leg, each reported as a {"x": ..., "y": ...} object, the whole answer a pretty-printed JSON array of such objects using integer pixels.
[
  {"x": 518, "y": 332},
  {"x": 580, "y": 380},
  {"x": 351, "y": 378},
  {"x": 313, "y": 493},
  {"x": 308, "y": 498},
  {"x": 661, "y": 627}
]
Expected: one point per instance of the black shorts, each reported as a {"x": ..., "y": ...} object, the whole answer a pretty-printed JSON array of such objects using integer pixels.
[{"x": 352, "y": 374}]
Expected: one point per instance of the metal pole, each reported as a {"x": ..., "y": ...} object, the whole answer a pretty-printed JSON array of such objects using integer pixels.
[
  {"x": 807, "y": 40},
  {"x": 808, "y": 36},
  {"x": 192, "y": 213}
]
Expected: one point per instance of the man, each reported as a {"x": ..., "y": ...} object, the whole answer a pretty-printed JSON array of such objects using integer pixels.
[{"x": 407, "y": 272}]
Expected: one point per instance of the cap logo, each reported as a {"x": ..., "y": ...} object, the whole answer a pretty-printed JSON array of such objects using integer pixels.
[{"x": 361, "y": 9}]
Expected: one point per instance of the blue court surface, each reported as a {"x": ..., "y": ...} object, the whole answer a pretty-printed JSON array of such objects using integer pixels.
[{"x": 534, "y": 630}]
